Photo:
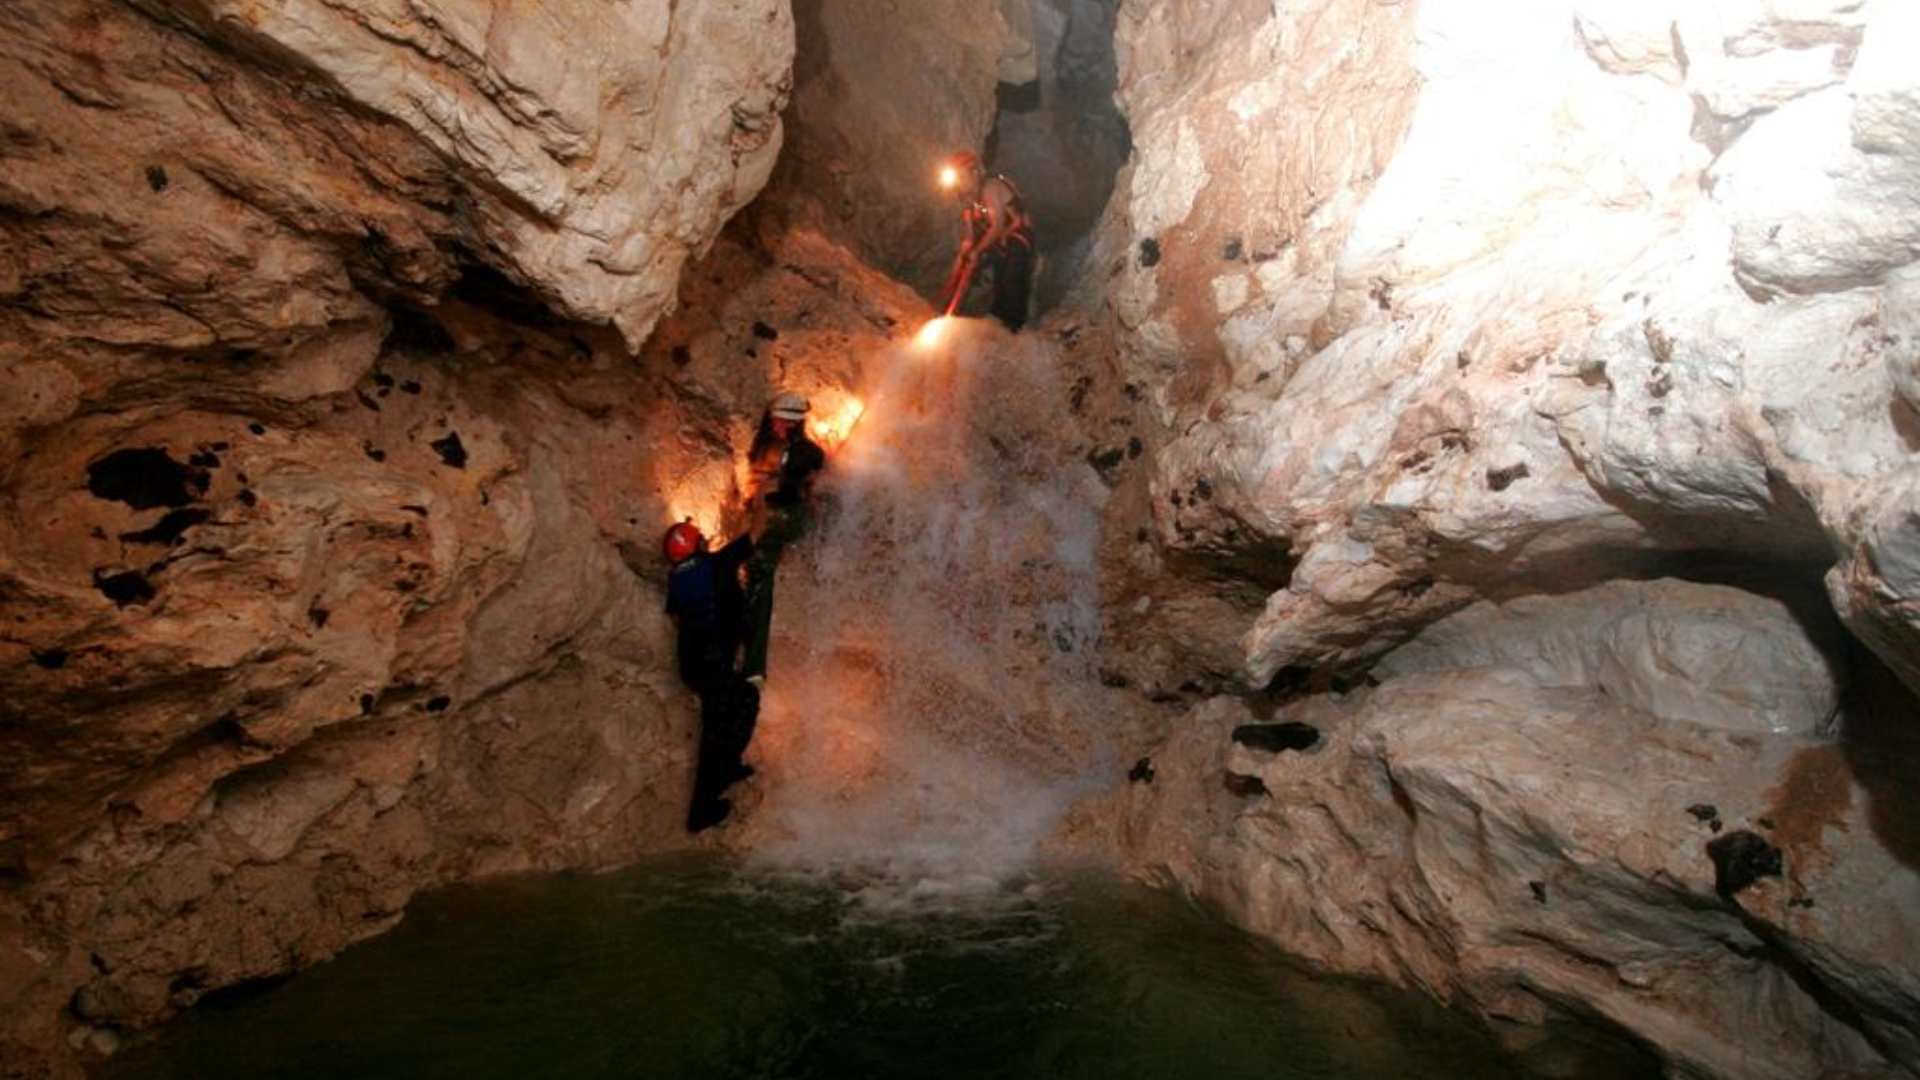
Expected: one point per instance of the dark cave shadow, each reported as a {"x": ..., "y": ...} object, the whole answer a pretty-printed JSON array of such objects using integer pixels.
[{"x": 1880, "y": 740}]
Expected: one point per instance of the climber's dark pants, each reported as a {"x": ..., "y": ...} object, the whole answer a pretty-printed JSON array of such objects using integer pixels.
[
  {"x": 729, "y": 711},
  {"x": 1012, "y": 264},
  {"x": 784, "y": 526}
]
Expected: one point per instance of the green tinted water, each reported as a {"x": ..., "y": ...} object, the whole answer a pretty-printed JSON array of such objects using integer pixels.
[{"x": 704, "y": 969}]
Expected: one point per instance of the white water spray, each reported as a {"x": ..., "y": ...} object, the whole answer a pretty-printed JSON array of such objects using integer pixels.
[{"x": 933, "y": 704}]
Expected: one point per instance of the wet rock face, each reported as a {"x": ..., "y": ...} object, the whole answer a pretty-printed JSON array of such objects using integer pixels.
[{"x": 1501, "y": 829}]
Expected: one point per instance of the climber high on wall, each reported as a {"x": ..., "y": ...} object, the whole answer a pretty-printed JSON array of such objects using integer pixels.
[{"x": 997, "y": 231}]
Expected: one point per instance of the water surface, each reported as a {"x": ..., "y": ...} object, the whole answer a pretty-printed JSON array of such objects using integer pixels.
[{"x": 701, "y": 968}]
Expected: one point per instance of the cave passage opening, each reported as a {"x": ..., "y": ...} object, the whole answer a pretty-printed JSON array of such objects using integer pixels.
[{"x": 1062, "y": 138}]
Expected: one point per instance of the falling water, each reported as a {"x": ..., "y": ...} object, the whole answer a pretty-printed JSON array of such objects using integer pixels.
[{"x": 933, "y": 706}]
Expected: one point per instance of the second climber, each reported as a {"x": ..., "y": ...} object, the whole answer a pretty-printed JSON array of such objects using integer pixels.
[
  {"x": 997, "y": 233},
  {"x": 784, "y": 463}
]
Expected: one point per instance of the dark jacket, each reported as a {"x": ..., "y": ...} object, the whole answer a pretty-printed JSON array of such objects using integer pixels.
[
  {"x": 705, "y": 600},
  {"x": 792, "y": 464}
]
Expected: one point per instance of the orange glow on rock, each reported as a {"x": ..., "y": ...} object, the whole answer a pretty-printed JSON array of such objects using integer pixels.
[{"x": 830, "y": 426}]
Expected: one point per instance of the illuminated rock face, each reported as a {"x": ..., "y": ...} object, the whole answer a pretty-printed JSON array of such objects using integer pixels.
[
  {"x": 315, "y": 444},
  {"x": 1535, "y": 851},
  {"x": 1545, "y": 321},
  {"x": 1451, "y": 314}
]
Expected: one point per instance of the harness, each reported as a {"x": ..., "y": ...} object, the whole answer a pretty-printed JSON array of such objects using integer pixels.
[{"x": 979, "y": 216}]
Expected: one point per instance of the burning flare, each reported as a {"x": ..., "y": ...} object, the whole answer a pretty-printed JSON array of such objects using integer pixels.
[
  {"x": 949, "y": 177},
  {"x": 929, "y": 336}
]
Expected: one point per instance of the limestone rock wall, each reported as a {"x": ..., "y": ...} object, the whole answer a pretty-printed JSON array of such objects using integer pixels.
[
  {"x": 1439, "y": 317},
  {"x": 1536, "y": 845},
  {"x": 1599, "y": 290},
  {"x": 314, "y": 441}
]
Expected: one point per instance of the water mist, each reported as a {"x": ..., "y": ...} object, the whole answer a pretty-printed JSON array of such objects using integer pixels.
[{"x": 933, "y": 705}]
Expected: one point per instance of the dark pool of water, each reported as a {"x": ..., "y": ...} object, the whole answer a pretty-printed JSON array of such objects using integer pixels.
[{"x": 699, "y": 968}]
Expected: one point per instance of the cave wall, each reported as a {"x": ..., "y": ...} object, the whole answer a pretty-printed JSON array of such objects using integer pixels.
[
  {"x": 318, "y": 418},
  {"x": 1447, "y": 311}
]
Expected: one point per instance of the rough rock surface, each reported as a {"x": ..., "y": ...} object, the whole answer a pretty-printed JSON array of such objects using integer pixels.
[
  {"x": 1538, "y": 848},
  {"x": 1644, "y": 322},
  {"x": 307, "y": 595},
  {"x": 1707, "y": 654},
  {"x": 1438, "y": 313},
  {"x": 352, "y": 679},
  {"x": 242, "y": 161}
]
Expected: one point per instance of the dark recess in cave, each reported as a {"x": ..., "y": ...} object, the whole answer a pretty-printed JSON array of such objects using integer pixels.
[
  {"x": 1061, "y": 139},
  {"x": 145, "y": 479}
]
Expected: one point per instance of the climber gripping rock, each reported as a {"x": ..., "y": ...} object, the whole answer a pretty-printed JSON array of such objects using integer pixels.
[
  {"x": 784, "y": 462},
  {"x": 705, "y": 600},
  {"x": 996, "y": 232}
]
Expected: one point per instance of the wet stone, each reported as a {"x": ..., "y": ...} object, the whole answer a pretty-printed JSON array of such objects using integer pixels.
[
  {"x": 1741, "y": 858},
  {"x": 1277, "y": 738}
]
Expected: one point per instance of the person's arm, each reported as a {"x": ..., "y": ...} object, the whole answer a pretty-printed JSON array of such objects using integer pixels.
[
  {"x": 999, "y": 214},
  {"x": 805, "y": 459},
  {"x": 963, "y": 256},
  {"x": 737, "y": 551}
]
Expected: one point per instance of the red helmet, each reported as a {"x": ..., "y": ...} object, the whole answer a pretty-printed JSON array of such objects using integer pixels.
[
  {"x": 964, "y": 159},
  {"x": 682, "y": 541}
]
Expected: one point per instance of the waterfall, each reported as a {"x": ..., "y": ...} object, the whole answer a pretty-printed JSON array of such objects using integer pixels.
[{"x": 933, "y": 703}]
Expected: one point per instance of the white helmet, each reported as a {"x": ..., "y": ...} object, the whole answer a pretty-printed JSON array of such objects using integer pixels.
[{"x": 789, "y": 406}]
